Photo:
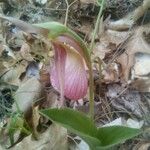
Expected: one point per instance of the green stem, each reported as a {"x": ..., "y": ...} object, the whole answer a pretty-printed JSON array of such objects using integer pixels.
[
  {"x": 96, "y": 25},
  {"x": 91, "y": 79},
  {"x": 91, "y": 92}
]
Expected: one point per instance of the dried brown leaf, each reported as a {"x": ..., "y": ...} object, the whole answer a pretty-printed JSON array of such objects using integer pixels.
[
  {"x": 111, "y": 73},
  {"x": 141, "y": 85},
  {"x": 88, "y": 1},
  {"x": 137, "y": 44},
  {"x": 12, "y": 75},
  {"x": 25, "y": 52},
  {"x": 141, "y": 67},
  {"x": 28, "y": 93},
  {"x": 127, "y": 100},
  {"x": 35, "y": 120},
  {"x": 129, "y": 20},
  {"x": 54, "y": 138},
  {"x": 25, "y": 26},
  {"x": 142, "y": 146}
]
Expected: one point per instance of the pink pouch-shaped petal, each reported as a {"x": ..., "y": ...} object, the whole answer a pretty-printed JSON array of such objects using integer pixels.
[
  {"x": 74, "y": 74},
  {"x": 58, "y": 70},
  {"x": 76, "y": 82}
]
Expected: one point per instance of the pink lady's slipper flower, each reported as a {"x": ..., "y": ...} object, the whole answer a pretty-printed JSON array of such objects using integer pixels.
[{"x": 68, "y": 74}]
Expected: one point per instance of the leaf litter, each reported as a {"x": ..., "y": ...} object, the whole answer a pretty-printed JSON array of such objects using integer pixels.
[{"x": 122, "y": 85}]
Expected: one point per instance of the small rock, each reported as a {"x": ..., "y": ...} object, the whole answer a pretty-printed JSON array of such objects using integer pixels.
[{"x": 41, "y": 2}]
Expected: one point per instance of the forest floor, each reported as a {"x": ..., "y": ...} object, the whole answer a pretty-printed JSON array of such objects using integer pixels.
[{"x": 121, "y": 69}]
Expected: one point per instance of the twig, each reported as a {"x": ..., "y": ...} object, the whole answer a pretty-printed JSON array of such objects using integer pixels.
[
  {"x": 67, "y": 10},
  {"x": 117, "y": 111},
  {"x": 96, "y": 25}
]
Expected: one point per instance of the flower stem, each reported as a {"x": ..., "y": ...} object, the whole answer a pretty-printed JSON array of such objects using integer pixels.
[
  {"x": 91, "y": 92},
  {"x": 91, "y": 79}
]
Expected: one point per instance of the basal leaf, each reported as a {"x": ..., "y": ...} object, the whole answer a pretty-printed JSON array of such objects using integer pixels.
[
  {"x": 78, "y": 123},
  {"x": 75, "y": 122},
  {"x": 113, "y": 135},
  {"x": 72, "y": 119}
]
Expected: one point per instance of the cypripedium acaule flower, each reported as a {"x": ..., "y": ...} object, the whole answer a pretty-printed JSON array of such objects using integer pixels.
[{"x": 68, "y": 74}]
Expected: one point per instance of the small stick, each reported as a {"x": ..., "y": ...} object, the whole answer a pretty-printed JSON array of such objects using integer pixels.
[{"x": 67, "y": 10}]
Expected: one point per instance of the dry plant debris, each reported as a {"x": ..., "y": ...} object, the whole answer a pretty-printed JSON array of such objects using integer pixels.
[{"x": 121, "y": 68}]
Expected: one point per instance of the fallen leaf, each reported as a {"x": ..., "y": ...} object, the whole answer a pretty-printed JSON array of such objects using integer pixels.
[
  {"x": 54, "y": 138},
  {"x": 142, "y": 146},
  {"x": 109, "y": 45},
  {"x": 101, "y": 49},
  {"x": 141, "y": 68},
  {"x": 88, "y": 1},
  {"x": 127, "y": 100},
  {"x": 51, "y": 99},
  {"x": 111, "y": 73},
  {"x": 25, "y": 52},
  {"x": 141, "y": 85},
  {"x": 110, "y": 37},
  {"x": 33, "y": 70},
  {"x": 35, "y": 120},
  {"x": 3, "y": 69},
  {"x": 26, "y": 27},
  {"x": 12, "y": 75},
  {"x": 9, "y": 51},
  {"x": 137, "y": 44},
  {"x": 28, "y": 93},
  {"x": 119, "y": 121},
  {"x": 78, "y": 144},
  {"x": 134, "y": 123},
  {"x": 129, "y": 20},
  {"x": 45, "y": 77},
  {"x": 128, "y": 123},
  {"x": 41, "y": 2}
]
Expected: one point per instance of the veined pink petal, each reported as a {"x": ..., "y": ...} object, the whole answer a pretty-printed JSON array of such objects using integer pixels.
[
  {"x": 58, "y": 70},
  {"x": 74, "y": 76}
]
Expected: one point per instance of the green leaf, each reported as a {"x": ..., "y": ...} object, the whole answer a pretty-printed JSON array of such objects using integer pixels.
[
  {"x": 113, "y": 135},
  {"x": 80, "y": 124},
  {"x": 75, "y": 122},
  {"x": 55, "y": 28},
  {"x": 72, "y": 119}
]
